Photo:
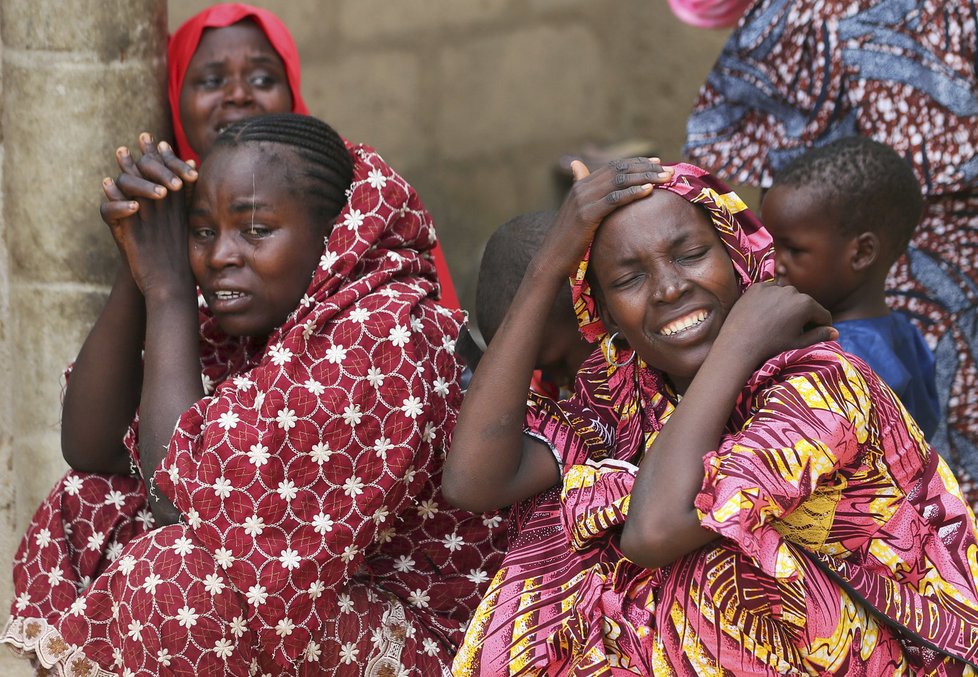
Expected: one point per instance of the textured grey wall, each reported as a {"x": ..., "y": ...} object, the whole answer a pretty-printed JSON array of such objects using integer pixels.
[{"x": 77, "y": 80}]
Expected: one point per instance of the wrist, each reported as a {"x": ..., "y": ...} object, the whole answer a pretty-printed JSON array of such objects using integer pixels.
[
  {"x": 169, "y": 292},
  {"x": 730, "y": 359},
  {"x": 547, "y": 271}
]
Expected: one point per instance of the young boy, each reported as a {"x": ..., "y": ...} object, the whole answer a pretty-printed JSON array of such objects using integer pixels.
[
  {"x": 504, "y": 262},
  {"x": 840, "y": 216}
]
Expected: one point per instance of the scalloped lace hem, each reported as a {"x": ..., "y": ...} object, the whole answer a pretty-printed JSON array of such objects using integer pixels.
[{"x": 35, "y": 639}]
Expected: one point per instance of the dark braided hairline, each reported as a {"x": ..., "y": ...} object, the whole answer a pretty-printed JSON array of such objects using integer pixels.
[{"x": 327, "y": 162}]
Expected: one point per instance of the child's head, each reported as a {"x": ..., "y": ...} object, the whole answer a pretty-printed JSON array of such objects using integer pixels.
[
  {"x": 504, "y": 262},
  {"x": 268, "y": 193},
  {"x": 840, "y": 215}
]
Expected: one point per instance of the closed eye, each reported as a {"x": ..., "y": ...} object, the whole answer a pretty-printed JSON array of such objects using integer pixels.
[
  {"x": 693, "y": 256},
  {"x": 626, "y": 281}
]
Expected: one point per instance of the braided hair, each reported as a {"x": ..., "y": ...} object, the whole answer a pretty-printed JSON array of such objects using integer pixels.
[
  {"x": 327, "y": 167},
  {"x": 867, "y": 184}
]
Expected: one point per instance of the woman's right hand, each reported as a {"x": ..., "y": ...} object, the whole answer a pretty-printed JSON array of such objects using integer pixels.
[
  {"x": 145, "y": 211},
  {"x": 590, "y": 200},
  {"x": 769, "y": 319}
]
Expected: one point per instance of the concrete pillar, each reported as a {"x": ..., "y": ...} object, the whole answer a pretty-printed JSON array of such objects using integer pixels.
[{"x": 78, "y": 79}]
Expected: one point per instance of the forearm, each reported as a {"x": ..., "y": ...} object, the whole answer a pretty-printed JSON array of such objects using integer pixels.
[
  {"x": 663, "y": 524},
  {"x": 485, "y": 468},
  {"x": 103, "y": 392},
  {"x": 171, "y": 384}
]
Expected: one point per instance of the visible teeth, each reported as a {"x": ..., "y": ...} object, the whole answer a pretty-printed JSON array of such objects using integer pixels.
[
  {"x": 225, "y": 295},
  {"x": 683, "y": 324}
]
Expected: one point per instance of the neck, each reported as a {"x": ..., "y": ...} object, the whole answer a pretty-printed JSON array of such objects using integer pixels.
[{"x": 866, "y": 301}]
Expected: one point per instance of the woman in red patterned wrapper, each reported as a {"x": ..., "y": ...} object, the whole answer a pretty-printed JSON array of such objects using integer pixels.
[
  {"x": 290, "y": 434},
  {"x": 735, "y": 494}
]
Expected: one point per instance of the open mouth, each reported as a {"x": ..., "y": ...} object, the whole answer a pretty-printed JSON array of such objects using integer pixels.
[
  {"x": 684, "y": 324},
  {"x": 224, "y": 301}
]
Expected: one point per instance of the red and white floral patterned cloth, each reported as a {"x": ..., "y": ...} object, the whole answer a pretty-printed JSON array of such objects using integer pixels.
[{"x": 314, "y": 538}]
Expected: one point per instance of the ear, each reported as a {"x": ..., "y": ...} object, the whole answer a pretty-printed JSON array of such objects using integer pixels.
[
  {"x": 864, "y": 250},
  {"x": 602, "y": 310}
]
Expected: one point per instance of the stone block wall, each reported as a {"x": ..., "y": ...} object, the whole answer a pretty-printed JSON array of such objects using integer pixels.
[{"x": 78, "y": 80}]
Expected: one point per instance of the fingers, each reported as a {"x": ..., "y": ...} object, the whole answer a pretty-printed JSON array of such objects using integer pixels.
[
  {"x": 157, "y": 171},
  {"x": 153, "y": 166},
  {"x": 622, "y": 197},
  {"x": 817, "y": 325},
  {"x": 125, "y": 160},
  {"x": 135, "y": 187},
  {"x": 579, "y": 170},
  {"x": 115, "y": 207},
  {"x": 820, "y": 315},
  {"x": 634, "y": 178},
  {"x": 642, "y": 168},
  {"x": 183, "y": 170},
  {"x": 817, "y": 335}
]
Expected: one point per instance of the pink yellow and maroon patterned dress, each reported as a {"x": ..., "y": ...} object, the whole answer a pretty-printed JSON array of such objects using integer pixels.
[
  {"x": 845, "y": 545},
  {"x": 313, "y": 537}
]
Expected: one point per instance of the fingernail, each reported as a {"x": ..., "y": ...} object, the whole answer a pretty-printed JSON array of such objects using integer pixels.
[
  {"x": 176, "y": 183},
  {"x": 647, "y": 186},
  {"x": 145, "y": 137},
  {"x": 192, "y": 173},
  {"x": 160, "y": 190},
  {"x": 106, "y": 181},
  {"x": 164, "y": 146},
  {"x": 133, "y": 205},
  {"x": 122, "y": 151}
]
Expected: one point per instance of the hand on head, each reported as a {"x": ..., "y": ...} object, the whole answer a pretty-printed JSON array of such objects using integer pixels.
[
  {"x": 592, "y": 198},
  {"x": 145, "y": 208}
]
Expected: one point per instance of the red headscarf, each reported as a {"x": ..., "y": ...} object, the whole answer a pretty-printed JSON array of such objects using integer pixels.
[{"x": 184, "y": 43}]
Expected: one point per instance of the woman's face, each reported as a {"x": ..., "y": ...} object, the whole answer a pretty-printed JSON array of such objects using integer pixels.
[
  {"x": 666, "y": 282},
  {"x": 253, "y": 245},
  {"x": 234, "y": 74}
]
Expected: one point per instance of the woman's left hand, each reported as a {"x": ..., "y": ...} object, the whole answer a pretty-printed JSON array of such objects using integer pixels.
[
  {"x": 769, "y": 319},
  {"x": 145, "y": 208}
]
